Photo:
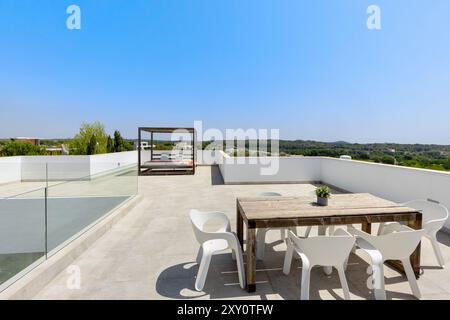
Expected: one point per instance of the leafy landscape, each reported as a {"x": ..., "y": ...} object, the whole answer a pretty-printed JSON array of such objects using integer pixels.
[
  {"x": 425, "y": 156},
  {"x": 92, "y": 139}
]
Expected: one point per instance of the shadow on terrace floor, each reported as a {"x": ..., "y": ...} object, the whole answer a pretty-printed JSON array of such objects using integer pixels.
[
  {"x": 443, "y": 238},
  {"x": 216, "y": 176},
  {"x": 177, "y": 282}
]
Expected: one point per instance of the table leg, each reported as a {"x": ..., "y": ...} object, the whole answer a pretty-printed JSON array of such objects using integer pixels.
[
  {"x": 240, "y": 227},
  {"x": 321, "y": 230},
  {"x": 367, "y": 227},
  {"x": 251, "y": 259},
  {"x": 415, "y": 257}
]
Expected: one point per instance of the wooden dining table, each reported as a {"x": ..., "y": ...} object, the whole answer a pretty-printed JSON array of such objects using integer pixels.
[{"x": 342, "y": 209}]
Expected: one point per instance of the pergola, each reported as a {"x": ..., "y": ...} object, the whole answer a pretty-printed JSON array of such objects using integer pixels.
[{"x": 160, "y": 163}]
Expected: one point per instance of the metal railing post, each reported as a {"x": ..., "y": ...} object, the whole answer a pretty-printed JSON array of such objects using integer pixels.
[
  {"x": 46, "y": 174},
  {"x": 46, "y": 210},
  {"x": 46, "y": 222}
]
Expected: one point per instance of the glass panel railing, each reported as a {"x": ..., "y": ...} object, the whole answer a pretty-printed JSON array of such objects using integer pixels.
[
  {"x": 16, "y": 178},
  {"x": 73, "y": 206},
  {"x": 51, "y": 204},
  {"x": 10, "y": 175},
  {"x": 22, "y": 234},
  {"x": 33, "y": 172},
  {"x": 58, "y": 172}
]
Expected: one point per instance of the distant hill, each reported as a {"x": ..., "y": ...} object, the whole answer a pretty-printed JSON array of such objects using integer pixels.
[{"x": 427, "y": 156}]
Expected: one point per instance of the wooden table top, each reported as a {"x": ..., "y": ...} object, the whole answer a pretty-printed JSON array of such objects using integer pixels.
[{"x": 263, "y": 208}]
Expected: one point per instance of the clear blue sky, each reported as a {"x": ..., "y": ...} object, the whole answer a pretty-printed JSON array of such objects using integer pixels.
[{"x": 310, "y": 68}]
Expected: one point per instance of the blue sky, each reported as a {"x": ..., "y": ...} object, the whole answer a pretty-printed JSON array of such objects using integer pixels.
[{"x": 310, "y": 68}]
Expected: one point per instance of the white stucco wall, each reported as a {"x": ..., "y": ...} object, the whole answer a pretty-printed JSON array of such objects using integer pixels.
[
  {"x": 290, "y": 169},
  {"x": 399, "y": 184},
  {"x": 206, "y": 157},
  {"x": 10, "y": 169},
  {"x": 395, "y": 183},
  {"x": 33, "y": 168},
  {"x": 105, "y": 162},
  {"x": 59, "y": 167}
]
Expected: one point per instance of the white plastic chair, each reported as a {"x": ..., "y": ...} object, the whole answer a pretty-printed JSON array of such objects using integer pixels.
[
  {"x": 397, "y": 242},
  {"x": 261, "y": 233},
  {"x": 434, "y": 216},
  {"x": 332, "y": 251},
  {"x": 214, "y": 242}
]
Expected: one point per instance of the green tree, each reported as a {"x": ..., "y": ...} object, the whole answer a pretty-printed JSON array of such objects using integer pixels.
[
  {"x": 92, "y": 146},
  {"x": 446, "y": 164},
  {"x": 120, "y": 144},
  {"x": 388, "y": 160},
  {"x": 21, "y": 148},
  {"x": 85, "y": 138},
  {"x": 118, "y": 141},
  {"x": 128, "y": 145},
  {"x": 110, "y": 145}
]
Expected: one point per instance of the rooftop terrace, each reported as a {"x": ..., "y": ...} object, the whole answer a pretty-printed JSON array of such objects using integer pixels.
[{"x": 150, "y": 253}]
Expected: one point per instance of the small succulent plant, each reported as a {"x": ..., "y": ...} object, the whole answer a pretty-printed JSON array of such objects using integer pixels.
[{"x": 323, "y": 192}]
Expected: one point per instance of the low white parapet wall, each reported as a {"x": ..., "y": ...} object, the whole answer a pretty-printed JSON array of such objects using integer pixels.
[
  {"x": 104, "y": 162},
  {"x": 209, "y": 157},
  {"x": 236, "y": 170},
  {"x": 72, "y": 167},
  {"x": 55, "y": 168},
  {"x": 10, "y": 169},
  {"x": 396, "y": 183}
]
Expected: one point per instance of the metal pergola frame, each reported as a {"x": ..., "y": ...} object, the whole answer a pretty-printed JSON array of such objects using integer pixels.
[{"x": 153, "y": 130}]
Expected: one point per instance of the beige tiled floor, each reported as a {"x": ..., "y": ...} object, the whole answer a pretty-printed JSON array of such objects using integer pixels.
[{"x": 150, "y": 253}]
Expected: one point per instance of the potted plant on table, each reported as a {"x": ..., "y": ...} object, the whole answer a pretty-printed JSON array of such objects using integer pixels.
[{"x": 323, "y": 193}]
